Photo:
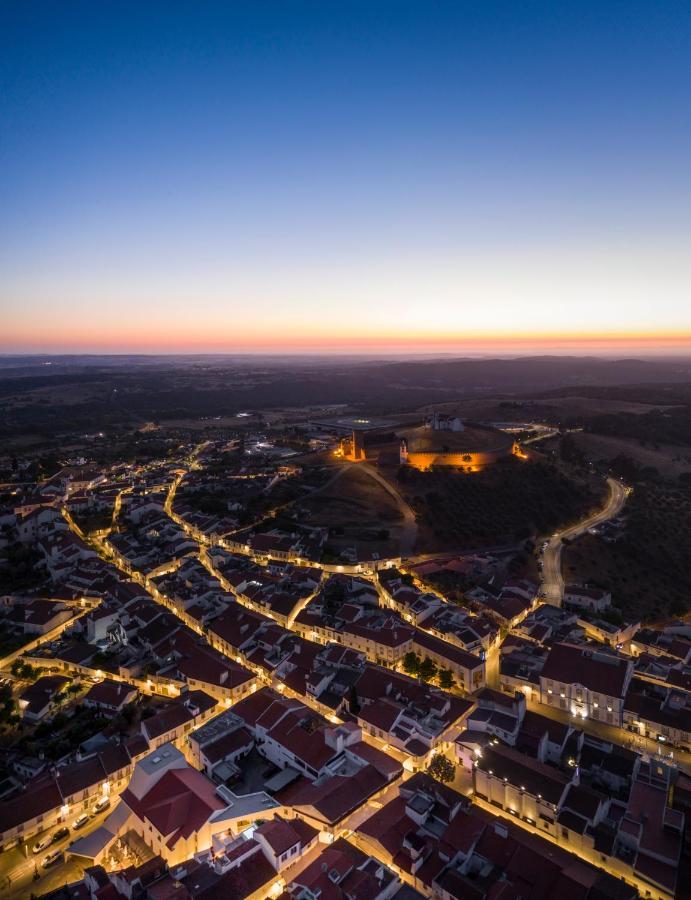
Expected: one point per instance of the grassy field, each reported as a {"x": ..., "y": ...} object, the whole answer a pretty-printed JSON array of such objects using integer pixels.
[{"x": 648, "y": 569}]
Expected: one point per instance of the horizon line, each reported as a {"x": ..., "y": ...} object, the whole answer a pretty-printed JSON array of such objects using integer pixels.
[{"x": 560, "y": 353}]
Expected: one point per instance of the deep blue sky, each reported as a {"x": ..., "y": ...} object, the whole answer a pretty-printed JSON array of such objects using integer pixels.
[{"x": 211, "y": 167}]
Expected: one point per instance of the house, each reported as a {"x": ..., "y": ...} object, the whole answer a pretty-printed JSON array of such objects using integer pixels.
[
  {"x": 176, "y": 811},
  {"x": 468, "y": 669},
  {"x": 495, "y": 715},
  {"x": 289, "y": 733},
  {"x": 110, "y": 697},
  {"x": 587, "y": 682},
  {"x": 216, "y": 746},
  {"x": 39, "y": 616},
  {"x": 663, "y": 643},
  {"x": 411, "y": 716},
  {"x": 173, "y": 723},
  {"x": 449, "y": 848},
  {"x": 460, "y": 627},
  {"x": 56, "y": 797},
  {"x": 208, "y": 670},
  {"x": 234, "y": 630},
  {"x": 177, "y": 814},
  {"x": 329, "y": 772},
  {"x": 587, "y": 598},
  {"x": 660, "y": 713},
  {"x": 275, "y": 546},
  {"x": 526, "y": 788},
  {"x": 605, "y": 632},
  {"x": 342, "y": 872},
  {"x": 651, "y": 834},
  {"x": 38, "y": 700},
  {"x": 285, "y": 841},
  {"x": 37, "y": 522}
]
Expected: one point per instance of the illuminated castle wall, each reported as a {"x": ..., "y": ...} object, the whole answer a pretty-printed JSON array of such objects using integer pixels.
[{"x": 468, "y": 461}]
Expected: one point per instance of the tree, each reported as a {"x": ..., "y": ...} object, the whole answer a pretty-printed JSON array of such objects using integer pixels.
[
  {"x": 411, "y": 664},
  {"x": 428, "y": 669},
  {"x": 446, "y": 679},
  {"x": 442, "y": 769},
  {"x": 354, "y": 703},
  {"x": 27, "y": 671},
  {"x": 333, "y": 597}
]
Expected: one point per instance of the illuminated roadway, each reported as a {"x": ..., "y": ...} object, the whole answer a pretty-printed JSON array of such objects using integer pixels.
[{"x": 552, "y": 587}]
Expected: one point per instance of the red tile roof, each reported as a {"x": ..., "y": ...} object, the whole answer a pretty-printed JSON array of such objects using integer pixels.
[
  {"x": 178, "y": 805},
  {"x": 597, "y": 671},
  {"x": 281, "y": 834}
]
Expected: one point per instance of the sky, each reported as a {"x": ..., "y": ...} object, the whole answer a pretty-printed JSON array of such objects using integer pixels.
[{"x": 380, "y": 176}]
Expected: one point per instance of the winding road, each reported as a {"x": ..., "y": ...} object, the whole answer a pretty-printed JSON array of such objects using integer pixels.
[
  {"x": 552, "y": 587},
  {"x": 409, "y": 527}
]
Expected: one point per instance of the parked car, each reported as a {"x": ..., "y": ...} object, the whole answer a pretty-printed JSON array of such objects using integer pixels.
[
  {"x": 102, "y": 804},
  {"x": 52, "y": 858},
  {"x": 42, "y": 844},
  {"x": 80, "y": 822},
  {"x": 60, "y": 834}
]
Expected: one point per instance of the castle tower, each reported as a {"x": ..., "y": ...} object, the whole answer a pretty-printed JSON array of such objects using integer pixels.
[{"x": 357, "y": 451}]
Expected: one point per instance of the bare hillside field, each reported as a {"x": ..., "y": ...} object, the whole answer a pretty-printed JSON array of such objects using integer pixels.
[
  {"x": 670, "y": 460},
  {"x": 515, "y": 409},
  {"x": 574, "y": 406},
  {"x": 353, "y": 500}
]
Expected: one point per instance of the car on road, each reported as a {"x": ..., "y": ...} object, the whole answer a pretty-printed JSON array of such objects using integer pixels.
[
  {"x": 52, "y": 858},
  {"x": 42, "y": 844},
  {"x": 60, "y": 834},
  {"x": 102, "y": 804},
  {"x": 80, "y": 822}
]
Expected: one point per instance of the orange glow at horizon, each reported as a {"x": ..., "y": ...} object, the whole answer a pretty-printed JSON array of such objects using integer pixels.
[{"x": 306, "y": 339}]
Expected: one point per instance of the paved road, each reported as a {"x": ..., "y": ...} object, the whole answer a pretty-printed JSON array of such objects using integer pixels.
[
  {"x": 614, "y": 734},
  {"x": 552, "y": 587},
  {"x": 18, "y": 865}
]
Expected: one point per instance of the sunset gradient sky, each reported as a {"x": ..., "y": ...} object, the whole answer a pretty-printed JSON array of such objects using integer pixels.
[{"x": 343, "y": 176}]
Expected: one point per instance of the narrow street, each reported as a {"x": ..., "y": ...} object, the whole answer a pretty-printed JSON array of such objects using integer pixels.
[{"x": 614, "y": 735}]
